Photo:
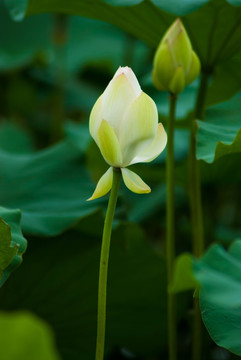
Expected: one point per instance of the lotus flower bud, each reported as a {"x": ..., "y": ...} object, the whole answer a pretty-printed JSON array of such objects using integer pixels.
[
  {"x": 124, "y": 125},
  {"x": 175, "y": 63}
]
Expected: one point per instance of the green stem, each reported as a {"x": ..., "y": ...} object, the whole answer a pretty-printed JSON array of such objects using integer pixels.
[
  {"x": 104, "y": 258},
  {"x": 196, "y": 207},
  {"x": 170, "y": 241}
]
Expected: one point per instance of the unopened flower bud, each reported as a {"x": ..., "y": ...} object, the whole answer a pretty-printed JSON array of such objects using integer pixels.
[
  {"x": 124, "y": 125},
  {"x": 176, "y": 65}
]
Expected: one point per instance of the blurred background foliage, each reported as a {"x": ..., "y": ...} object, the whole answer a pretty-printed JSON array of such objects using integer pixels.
[{"x": 53, "y": 67}]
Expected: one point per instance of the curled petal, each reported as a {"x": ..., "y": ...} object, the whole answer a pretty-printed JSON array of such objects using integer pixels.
[
  {"x": 117, "y": 97},
  {"x": 134, "y": 182},
  {"x": 156, "y": 147},
  {"x": 104, "y": 185},
  {"x": 138, "y": 127},
  {"x": 109, "y": 144},
  {"x": 95, "y": 118}
]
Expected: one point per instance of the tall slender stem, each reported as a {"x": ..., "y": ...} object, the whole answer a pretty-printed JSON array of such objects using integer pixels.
[
  {"x": 104, "y": 258},
  {"x": 196, "y": 207},
  {"x": 170, "y": 241}
]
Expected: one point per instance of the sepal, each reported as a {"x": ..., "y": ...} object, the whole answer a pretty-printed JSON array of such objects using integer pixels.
[
  {"x": 104, "y": 185},
  {"x": 134, "y": 183}
]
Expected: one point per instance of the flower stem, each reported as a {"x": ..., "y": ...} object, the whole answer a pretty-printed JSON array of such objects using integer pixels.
[
  {"x": 196, "y": 208},
  {"x": 104, "y": 258},
  {"x": 170, "y": 241}
]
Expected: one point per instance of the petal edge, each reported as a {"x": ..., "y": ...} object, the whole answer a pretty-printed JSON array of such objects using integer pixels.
[{"x": 155, "y": 149}]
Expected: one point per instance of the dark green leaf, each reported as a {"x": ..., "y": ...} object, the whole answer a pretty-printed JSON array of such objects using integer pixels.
[
  {"x": 23, "y": 41},
  {"x": 183, "y": 274},
  {"x": 50, "y": 187},
  {"x": 214, "y": 29},
  {"x": 179, "y": 7},
  {"x": 14, "y": 140},
  {"x": 219, "y": 273},
  {"x": 226, "y": 81},
  {"x": 61, "y": 279},
  {"x": 123, "y": 2},
  {"x": 220, "y": 135}
]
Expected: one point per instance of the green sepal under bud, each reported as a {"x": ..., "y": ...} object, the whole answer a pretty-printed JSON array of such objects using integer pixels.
[{"x": 175, "y": 63}]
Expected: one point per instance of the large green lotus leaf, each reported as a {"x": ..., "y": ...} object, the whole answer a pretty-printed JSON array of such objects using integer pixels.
[
  {"x": 50, "y": 187},
  {"x": 214, "y": 29},
  {"x": 220, "y": 135},
  {"x": 96, "y": 43},
  {"x": 235, "y": 2},
  {"x": 179, "y": 7},
  {"x": 22, "y": 41},
  {"x": 26, "y": 337},
  {"x": 123, "y": 2},
  {"x": 12, "y": 242},
  {"x": 60, "y": 278},
  {"x": 219, "y": 274},
  {"x": 13, "y": 139},
  {"x": 226, "y": 81}
]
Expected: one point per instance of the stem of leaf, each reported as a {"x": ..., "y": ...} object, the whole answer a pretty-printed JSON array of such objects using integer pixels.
[
  {"x": 196, "y": 207},
  {"x": 104, "y": 258},
  {"x": 170, "y": 241}
]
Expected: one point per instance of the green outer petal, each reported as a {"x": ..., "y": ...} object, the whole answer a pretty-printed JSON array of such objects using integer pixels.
[
  {"x": 177, "y": 83},
  {"x": 134, "y": 183},
  {"x": 181, "y": 49},
  {"x": 109, "y": 144},
  {"x": 104, "y": 185},
  {"x": 164, "y": 66},
  {"x": 117, "y": 97},
  {"x": 194, "y": 70},
  {"x": 156, "y": 147},
  {"x": 138, "y": 128},
  {"x": 96, "y": 118},
  {"x": 156, "y": 82}
]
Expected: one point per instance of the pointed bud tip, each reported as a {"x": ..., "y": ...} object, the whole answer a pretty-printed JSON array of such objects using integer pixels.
[{"x": 175, "y": 52}]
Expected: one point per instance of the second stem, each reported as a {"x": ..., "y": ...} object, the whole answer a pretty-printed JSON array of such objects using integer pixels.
[
  {"x": 170, "y": 241},
  {"x": 196, "y": 207}
]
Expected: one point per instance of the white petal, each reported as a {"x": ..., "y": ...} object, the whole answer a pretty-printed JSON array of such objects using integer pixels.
[
  {"x": 117, "y": 97},
  {"x": 104, "y": 185},
  {"x": 134, "y": 182},
  {"x": 96, "y": 118},
  {"x": 156, "y": 147},
  {"x": 138, "y": 128},
  {"x": 131, "y": 78},
  {"x": 109, "y": 144}
]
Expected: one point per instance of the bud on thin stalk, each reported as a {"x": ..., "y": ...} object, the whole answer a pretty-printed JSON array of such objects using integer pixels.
[{"x": 176, "y": 65}]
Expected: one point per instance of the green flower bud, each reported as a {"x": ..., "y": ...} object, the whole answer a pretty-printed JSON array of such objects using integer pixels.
[{"x": 176, "y": 65}]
